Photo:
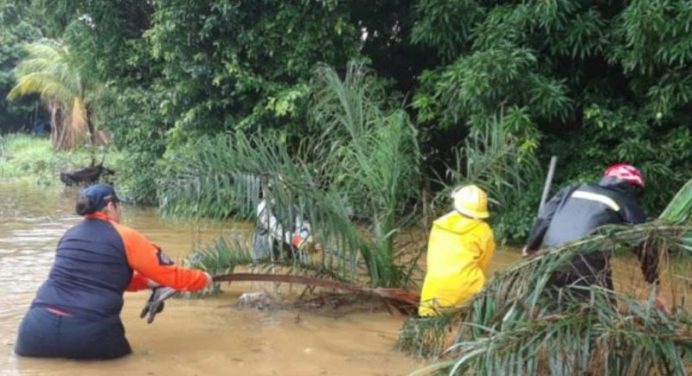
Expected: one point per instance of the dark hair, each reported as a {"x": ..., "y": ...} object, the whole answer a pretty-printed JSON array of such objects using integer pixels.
[
  {"x": 95, "y": 198},
  {"x": 84, "y": 206}
]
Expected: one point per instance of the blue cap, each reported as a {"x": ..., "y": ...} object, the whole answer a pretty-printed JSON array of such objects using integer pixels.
[{"x": 100, "y": 195}]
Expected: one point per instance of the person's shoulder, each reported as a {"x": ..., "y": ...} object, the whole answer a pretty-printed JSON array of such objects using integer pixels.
[
  {"x": 593, "y": 187},
  {"x": 485, "y": 227},
  {"x": 566, "y": 190},
  {"x": 615, "y": 191},
  {"x": 126, "y": 231}
]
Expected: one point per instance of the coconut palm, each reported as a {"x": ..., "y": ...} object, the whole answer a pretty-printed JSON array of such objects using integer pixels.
[
  {"x": 516, "y": 325},
  {"x": 52, "y": 72}
]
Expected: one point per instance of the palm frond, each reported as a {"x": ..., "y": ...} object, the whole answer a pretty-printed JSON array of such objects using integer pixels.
[
  {"x": 365, "y": 161},
  {"x": 517, "y": 325},
  {"x": 493, "y": 159},
  {"x": 680, "y": 207},
  {"x": 426, "y": 337},
  {"x": 44, "y": 84}
]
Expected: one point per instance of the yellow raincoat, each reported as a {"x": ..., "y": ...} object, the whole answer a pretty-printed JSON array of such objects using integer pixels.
[{"x": 459, "y": 253}]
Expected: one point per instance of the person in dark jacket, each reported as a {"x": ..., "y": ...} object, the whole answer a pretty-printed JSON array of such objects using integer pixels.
[
  {"x": 576, "y": 211},
  {"x": 76, "y": 311}
]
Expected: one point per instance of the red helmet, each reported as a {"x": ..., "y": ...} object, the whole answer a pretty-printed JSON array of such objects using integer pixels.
[{"x": 627, "y": 172}]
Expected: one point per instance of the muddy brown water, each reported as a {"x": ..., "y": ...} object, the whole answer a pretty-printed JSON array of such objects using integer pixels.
[
  {"x": 191, "y": 337},
  {"x": 198, "y": 336}
]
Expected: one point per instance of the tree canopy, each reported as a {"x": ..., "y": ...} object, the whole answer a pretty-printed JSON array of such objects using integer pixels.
[{"x": 592, "y": 82}]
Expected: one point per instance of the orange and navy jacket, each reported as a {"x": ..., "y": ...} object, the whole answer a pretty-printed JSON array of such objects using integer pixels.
[{"x": 97, "y": 260}]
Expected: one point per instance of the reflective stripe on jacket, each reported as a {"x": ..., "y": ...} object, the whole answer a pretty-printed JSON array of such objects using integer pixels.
[
  {"x": 94, "y": 265},
  {"x": 576, "y": 211},
  {"x": 459, "y": 253}
]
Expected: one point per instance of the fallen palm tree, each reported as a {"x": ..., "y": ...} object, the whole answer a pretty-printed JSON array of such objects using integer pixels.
[
  {"x": 517, "y": 325},
  {"x": 222, "y": 259},
  {"x": 404, "y": 301}
]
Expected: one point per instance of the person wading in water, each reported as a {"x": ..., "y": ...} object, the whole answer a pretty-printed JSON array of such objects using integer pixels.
[
  {"x": 76, "y": 311},
  {"x": 578, "y": 210},
  {"x": 460, "y": 248}
]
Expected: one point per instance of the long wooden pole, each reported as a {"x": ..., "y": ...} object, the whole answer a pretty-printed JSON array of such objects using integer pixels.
[{"x": 548, "y": 182}]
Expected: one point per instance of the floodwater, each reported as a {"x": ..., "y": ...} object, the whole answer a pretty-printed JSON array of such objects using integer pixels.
[{"x": 207, "y": 336}]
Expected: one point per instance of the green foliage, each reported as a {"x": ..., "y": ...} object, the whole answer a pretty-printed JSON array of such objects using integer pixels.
[
  {"x": 50, "y": 71},
  {"x": 680, "y": 207},
  {"x": 221, "y": 258},
  {"x": 446, "y": 25},
  {"x": 216, "y": 177},
  {"x": 592, "y": 82},
  {"x": 103, "y": 33},
  {"x": 377, "y": 164},
  {"x": 29, "y": 157},
  {"x": 15, "y": 32},
  {"x": 232, "y": 64},
  {"x": 132, "y": 115},
  {"x": 595, "y": 83},
  {"x": 365, "y": 161},
  {"x": 427, "y": 337},
  {"x": 495, "y": 160}
]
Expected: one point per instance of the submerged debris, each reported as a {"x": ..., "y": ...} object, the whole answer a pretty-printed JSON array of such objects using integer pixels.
[{"x": 263, "y": 300}]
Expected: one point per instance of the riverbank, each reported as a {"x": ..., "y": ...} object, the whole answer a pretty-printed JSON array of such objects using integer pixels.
[{"x": 32, "y": 158}]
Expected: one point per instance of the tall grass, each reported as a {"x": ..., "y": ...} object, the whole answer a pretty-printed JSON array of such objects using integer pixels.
[{"x": 28, "y": 157}]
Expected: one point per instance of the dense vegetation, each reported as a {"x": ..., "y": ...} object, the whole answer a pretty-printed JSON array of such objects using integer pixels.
[
  {"x": 592, "y": 82},
  {"x": 363, "y": 114},
  {"x": 15, "y": 31}
]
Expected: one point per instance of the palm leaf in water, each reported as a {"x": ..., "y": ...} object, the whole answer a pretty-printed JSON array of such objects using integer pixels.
[
  {"x": 680, "y": 207},
  {"x": 518, "y": 326}
]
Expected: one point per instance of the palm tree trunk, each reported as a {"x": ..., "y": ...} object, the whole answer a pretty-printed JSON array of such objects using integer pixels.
[
  {"x": 90, "y": 125},
  {"x": 56, "y": 125}
]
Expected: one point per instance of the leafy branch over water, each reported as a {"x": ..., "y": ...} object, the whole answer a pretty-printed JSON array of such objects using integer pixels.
[
  {"x": 353, "y": 181},
  {"x": 517, "y": 325}
]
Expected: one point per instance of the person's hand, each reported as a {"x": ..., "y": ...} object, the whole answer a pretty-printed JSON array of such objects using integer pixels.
[
  {"x": 210, "y": 280},
  {"x": 152, "y": 284},
  {"x": 525, "y": 252},
  {"x": 155, "y": 303}
]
